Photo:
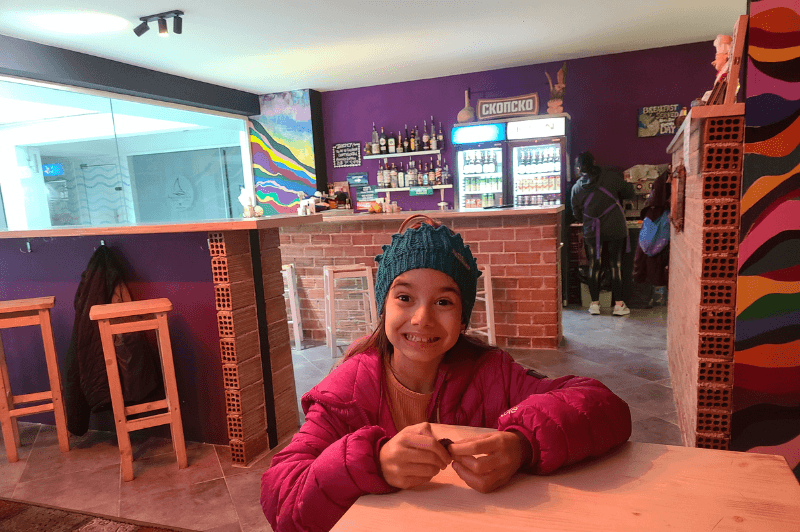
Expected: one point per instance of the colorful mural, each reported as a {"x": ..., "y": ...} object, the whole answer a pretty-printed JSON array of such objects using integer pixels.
[
  {"x": 766, "y": 396},
  {"x": 282, "y": 145}
]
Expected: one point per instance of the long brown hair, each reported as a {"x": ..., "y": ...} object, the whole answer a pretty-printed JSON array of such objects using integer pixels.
[{"x": 467, "y": 346}]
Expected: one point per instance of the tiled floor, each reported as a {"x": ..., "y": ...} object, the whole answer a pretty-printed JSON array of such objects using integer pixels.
[{"x": 628, "y": 354}]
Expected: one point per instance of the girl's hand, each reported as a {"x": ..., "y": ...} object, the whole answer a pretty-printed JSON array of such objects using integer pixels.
[
  {"x": 412, "y": 457},
  {"x": 503, "y": 455}
]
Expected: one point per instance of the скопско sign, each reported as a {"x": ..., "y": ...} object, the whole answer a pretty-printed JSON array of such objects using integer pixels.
[{"x": 505, "y": 107}]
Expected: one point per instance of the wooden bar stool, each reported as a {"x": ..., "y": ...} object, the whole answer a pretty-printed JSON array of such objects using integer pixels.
[
  {"x": 290, "y": 278},
  {"x": 484, "y": 293},
  {"x": 132, "y": 316},
  {"x": 354, "y": 271},
  {"x": 20, "y": 313}
]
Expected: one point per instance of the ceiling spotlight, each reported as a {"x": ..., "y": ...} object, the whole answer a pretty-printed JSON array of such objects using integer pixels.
[
  {"x": 162, "y": 23},
  {"x": 141, "y": 28}
]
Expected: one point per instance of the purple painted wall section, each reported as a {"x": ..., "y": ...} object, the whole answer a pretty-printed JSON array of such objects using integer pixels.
[
  {"x": 175, "y": 266},
  {"x": 603, "y": 96}
]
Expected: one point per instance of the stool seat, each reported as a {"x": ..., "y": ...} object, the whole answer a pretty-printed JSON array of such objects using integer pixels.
[
  {"x": 129, "y": 308},
  {"x": 130, "y": 316},
  {"x": 21, "y": 313},
  {"x": 22, "y": 305}
]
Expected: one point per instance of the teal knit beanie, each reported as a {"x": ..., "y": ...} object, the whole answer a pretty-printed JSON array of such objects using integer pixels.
[{"x": 433, "y": 248}]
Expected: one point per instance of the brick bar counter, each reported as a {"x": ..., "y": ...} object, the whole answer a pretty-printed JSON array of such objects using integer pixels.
[{"x": 521, "y": 245}]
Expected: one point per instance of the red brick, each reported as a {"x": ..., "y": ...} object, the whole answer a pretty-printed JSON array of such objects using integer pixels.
[
  {"x": 531, "y": 282},
  {"x": 518, "y": 271},
  {"x": 518, "y": 342},
  {"x": 504, "y": 329},
  {"x": 544, "y": 244},
  {"x": 342, "y": 240},
  {"x": 475, "y": 235},
  {"x": 516, "y": 246},
  {"x": 549, "y": 257},
  {"x": 520, "y": 318},
  {"x": 549, "y": 231},
  {"x": 532, "y": 331},
  {"x": 509, "y": 306},
  {"x": 551, "y": 330},
  {"x": 544, "y": 295},
  {"x": 546, "y": 318},
  {"x": 530, "y": 306},
  {"x": 504, "y": 282},
  {"x": 544, "y": 269},
  {"x": 300, "y": 238},
  {"x": 493, "y": 221},
  {"x": 503, "y": 258},
  {"x": 529, "y": 258},
  {"x": 550, "y": 282},
  {"x": 544, "y": 343},
  {"x": 362, "y": 240},
  {"x": 490, "y": 246},
  {"x": 502, "y": 234},
  {"x": 529, "y": 233},
  {"x": 519, "y": 294}
]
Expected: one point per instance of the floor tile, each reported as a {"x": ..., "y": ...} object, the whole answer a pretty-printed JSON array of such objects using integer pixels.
[
  {"x": 95, "y": 490},
  {"x": 199, "y": 506},
  {"x": 245, "y": 491},
  {"x": 656, "y": 430},
  {"x": 160, "y": 473},
  {"x": 652, "y": 398},
  {"x": 10, "y": 473},
  {"x": 259, "y": 466},
  {"x": 93, "y": 450}
]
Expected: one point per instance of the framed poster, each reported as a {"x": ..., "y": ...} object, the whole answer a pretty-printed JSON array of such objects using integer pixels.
[
  {"x": 658, "y": 120},
  {"x": 346, "y": 154}
]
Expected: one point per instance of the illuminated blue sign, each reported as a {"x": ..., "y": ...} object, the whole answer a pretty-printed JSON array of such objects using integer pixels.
[
  {"x": 474, "y": 134},
  {"x": 53, "y": 170}
]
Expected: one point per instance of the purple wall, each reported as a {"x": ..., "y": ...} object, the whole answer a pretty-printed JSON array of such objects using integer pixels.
[
  {"x": 603, "y": 96},
  {"x": 175, "y": 266}
]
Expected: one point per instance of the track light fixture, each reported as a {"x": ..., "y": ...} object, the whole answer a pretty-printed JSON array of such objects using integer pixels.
[{"x": 177, "y": 25}]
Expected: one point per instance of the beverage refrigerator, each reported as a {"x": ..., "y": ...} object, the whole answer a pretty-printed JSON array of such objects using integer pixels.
[
  {"x": 538, "y": 160},
  {"x": 480, "y": 156}
]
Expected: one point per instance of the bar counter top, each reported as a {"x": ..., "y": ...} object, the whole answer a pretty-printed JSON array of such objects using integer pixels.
[
  {"x": 342, "y": 215},
  {"x": 266, "y": 222}
]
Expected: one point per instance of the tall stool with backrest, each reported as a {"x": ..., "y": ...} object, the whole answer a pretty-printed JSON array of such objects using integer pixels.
[
  {"x": 296, "y": 320},
  {"x": 485, "y": 294},
  {"x": 19, "y": 313},
  {"x": 354, "y": 271},
  {"x": 127, "y": 317}
]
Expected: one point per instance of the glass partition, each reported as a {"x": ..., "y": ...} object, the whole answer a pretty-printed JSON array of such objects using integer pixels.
[{"x": 69, "y": 158}]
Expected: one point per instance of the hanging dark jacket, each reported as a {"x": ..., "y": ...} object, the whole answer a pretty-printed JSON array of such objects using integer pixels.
[
  {"x": 86, "y": 381},
  {"x": 612, "y": 223},
  {"x": 646, "y": 269}
]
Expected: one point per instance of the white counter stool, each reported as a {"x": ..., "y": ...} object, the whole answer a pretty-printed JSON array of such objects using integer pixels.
[
  {"x": 367, "y": 293},
  {"x": 20, "y": 313},
  {"x": 132, "y": 316},
  {"x": 290, "y": 293},
  {"x": 484, "y": 293}
]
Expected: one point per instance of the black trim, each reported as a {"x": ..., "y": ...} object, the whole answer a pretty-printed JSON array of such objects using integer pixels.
[
  {"x": 318, "y": 135},
  {"x": 40, "y": 62},
  {"x": 261, "y": 317}
]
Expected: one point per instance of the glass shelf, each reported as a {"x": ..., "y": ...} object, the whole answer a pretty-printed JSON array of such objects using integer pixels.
[
  {"x": 404, "y": 154},
  {"x": 388, "y": 191}
]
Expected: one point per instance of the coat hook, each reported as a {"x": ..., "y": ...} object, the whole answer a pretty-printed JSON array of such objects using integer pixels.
[
  {"x": 28, "y": 246},
  {"x": 102, "y": 242}
]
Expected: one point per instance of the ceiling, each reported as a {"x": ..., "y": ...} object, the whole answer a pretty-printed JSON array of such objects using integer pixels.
[{"x": 270, "y": 46}]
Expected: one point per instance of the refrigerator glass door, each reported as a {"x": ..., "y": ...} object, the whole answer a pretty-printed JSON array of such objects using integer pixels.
[
  {"x": 536, "y": 174},
  {"x": 480, "y": 177}
]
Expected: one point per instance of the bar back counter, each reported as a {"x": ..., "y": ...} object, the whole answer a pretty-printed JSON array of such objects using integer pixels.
[
  {"x": 228, "y": 325},
  {"x": 521, "y": 244}
]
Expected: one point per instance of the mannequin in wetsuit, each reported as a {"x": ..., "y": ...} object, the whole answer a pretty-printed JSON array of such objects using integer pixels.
[{"x": 596, "y": 203}]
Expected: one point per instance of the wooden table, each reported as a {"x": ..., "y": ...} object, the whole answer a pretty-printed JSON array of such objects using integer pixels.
[{"x": 638, "y": 487}]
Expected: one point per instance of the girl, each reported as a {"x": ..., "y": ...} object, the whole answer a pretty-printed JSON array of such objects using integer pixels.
[
  {"x": 367, "y": 423},
  {"x": 595, "y": 203}
]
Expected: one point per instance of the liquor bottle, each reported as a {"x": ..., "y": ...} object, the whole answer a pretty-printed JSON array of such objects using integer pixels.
[
  {"x": 399, "y": 148},
  {"x": 439, "y": 173},
  {"x": 379, "y": 179},
  {"x": 434, "y": 139},
  {"x": 393, "y": 176},
  {"x": 412, "y": 141},
  {"x": 401, "y": 177},
  {"x": 440, "y": 138},
  {"x": 376, "y": 145},
  {"x": 432, "y": 174},
  {"x": 425, "y": 176},
  {"x": 391, "y": 143},
  {"x": 446, "y": 175},
  {"x": 406, "y": 141},
  {"x": 426, "y": 139},
  {"x": 382, "y": 139},
  {"x": 411, "y": 176},
  {"x": 387, "y": 177}
]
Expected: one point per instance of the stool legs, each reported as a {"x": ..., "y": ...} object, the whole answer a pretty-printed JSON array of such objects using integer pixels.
[
  {"x": 9, "y": 424},
  {"x": 168, "y": 368},
  {"x": 55, "y": 379},
  {"x": 328, "y": 287},
  {"x": 294, "y": 304}
]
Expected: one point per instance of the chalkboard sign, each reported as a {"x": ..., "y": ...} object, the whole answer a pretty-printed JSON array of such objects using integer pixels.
[
  {"x": 658, "y": 120},
  {"x": 346, "y": 154}
]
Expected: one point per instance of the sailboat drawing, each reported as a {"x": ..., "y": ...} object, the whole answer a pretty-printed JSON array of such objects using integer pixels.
[
  {"x": 176, "y": 188},
  {"x": 181, "y": 193}
]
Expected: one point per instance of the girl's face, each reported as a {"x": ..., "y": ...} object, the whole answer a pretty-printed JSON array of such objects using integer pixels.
[{"x": 423, "y": 315}]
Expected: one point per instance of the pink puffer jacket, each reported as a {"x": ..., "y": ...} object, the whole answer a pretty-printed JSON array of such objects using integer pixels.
[{"x": 334, "y": 458}]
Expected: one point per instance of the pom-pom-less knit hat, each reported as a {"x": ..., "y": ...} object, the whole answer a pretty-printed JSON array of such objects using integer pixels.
[{"x": 428, "y": 247}]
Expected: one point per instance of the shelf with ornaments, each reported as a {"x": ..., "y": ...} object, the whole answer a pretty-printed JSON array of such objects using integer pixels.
[{"x": 386, "y": 156}]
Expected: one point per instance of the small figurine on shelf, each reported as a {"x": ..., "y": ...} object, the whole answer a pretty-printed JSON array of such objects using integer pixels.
[
  {"x": 247, "y": 204},
  {"x": 555, "y": 104}
]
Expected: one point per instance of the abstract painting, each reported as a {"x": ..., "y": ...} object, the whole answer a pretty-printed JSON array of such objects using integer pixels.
[
  {"x": 766, "y": 395},
  {"x": 282, "y": 145}
]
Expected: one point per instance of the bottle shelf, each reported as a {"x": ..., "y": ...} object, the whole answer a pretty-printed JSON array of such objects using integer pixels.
[
  {"x": 404, "y": 154},
  {"x": 479, "y": 192},
  {"x": 406, "y": 189}
]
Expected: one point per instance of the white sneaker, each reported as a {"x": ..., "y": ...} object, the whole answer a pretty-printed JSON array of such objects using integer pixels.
[
  {"x": 622, "y": 310},
  {"x": 594, "y": 308}
]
